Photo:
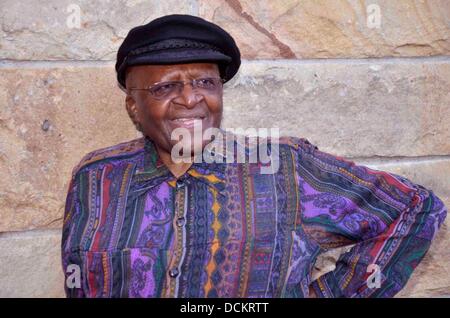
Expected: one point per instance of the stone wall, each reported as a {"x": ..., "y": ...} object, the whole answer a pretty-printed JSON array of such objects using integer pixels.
[{"x": 368, "y": 80}]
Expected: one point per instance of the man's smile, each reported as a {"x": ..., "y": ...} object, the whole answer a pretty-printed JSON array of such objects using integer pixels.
[{"x": 187, "y": 121}]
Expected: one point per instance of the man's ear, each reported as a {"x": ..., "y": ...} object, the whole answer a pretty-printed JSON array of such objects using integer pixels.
[{"x": 132, "y": 109}]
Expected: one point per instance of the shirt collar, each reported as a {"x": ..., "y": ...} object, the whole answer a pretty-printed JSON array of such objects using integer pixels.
[{"x": 212, "y": 174}]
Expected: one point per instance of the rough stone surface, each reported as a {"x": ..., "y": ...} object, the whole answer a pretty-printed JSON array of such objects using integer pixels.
[
  {"x": 353, "y": 109},
  {"x": 36, "y": 30},
  {"x": 30, "y": 264},
  {"x": 49, "y": 119},
  {"x": 330, "y": 29},
  {"x": 263, "y": 29}
]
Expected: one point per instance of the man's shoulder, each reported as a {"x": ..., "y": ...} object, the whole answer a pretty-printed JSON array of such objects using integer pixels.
[
  {"x": 296, "y": 143},
  {"x": 310, "y": 152},
  {"x": 122, "y": 151},
  {"x": 291, "y": 143},
  {"x": 250, "y": 143}
]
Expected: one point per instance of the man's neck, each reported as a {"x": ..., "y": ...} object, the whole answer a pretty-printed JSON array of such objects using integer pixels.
[{"x": 176, "y": 168}]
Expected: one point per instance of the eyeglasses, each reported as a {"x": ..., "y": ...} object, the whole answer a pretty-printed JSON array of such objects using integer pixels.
[{"x": 172, "y": 89}]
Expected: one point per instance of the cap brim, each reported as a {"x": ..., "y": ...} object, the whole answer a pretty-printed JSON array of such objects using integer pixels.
[{"x": 174, "y": 57}]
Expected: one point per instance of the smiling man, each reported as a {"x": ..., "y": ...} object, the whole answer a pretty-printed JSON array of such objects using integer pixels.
[
  {"x": 139, "y": 223},
  {"x": 170, "y": 104}
]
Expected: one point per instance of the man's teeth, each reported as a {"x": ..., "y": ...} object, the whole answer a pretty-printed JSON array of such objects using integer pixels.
[{"x": 188, "y": 119}]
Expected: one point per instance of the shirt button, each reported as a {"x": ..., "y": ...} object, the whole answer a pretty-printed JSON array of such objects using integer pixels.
[
  {"x": 181, "y": 221},
  {"x": 180, "y": 184},
  {"x": 174, "y": 272}
]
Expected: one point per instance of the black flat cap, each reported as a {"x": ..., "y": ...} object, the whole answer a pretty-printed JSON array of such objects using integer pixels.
[{"x": 175, "y": 39}]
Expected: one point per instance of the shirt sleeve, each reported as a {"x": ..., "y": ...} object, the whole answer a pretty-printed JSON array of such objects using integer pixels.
[
  {"x": 389, "y": 220},
  {"x": 70, "y": 258}
]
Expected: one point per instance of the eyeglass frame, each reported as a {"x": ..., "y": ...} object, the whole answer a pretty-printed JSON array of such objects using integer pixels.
[{"x": 193, "y": 83}]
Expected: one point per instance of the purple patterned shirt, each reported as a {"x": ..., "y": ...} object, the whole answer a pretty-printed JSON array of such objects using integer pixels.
[{"x": 226, "y": 230}]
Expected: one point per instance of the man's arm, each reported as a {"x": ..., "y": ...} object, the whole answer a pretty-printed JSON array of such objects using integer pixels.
[
  {"x": 70, "y": 262},
  {"x": 389, "y": 220}
]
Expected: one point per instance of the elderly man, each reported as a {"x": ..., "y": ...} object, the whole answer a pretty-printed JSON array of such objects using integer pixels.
[{"x": 141, "y": 223}]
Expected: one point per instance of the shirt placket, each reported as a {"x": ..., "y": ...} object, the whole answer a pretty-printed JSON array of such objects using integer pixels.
[{"x": 179, "y": 230}]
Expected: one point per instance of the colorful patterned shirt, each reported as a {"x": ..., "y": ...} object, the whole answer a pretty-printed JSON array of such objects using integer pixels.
[{"x": 226, "y": 230}]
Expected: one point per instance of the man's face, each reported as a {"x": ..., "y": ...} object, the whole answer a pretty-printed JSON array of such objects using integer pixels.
[{"x": 158, "y": 117}]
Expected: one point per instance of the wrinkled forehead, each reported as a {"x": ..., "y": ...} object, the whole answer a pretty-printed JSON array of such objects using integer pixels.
[{"x": 158, "y": 73}]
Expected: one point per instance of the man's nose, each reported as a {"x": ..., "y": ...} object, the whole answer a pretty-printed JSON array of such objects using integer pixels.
[{"x": 189, "y": 96}]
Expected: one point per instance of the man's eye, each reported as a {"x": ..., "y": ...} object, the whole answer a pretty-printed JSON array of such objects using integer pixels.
[
  {"x": 163, "y": 89},
  {"x": 206, "y": 83}
]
